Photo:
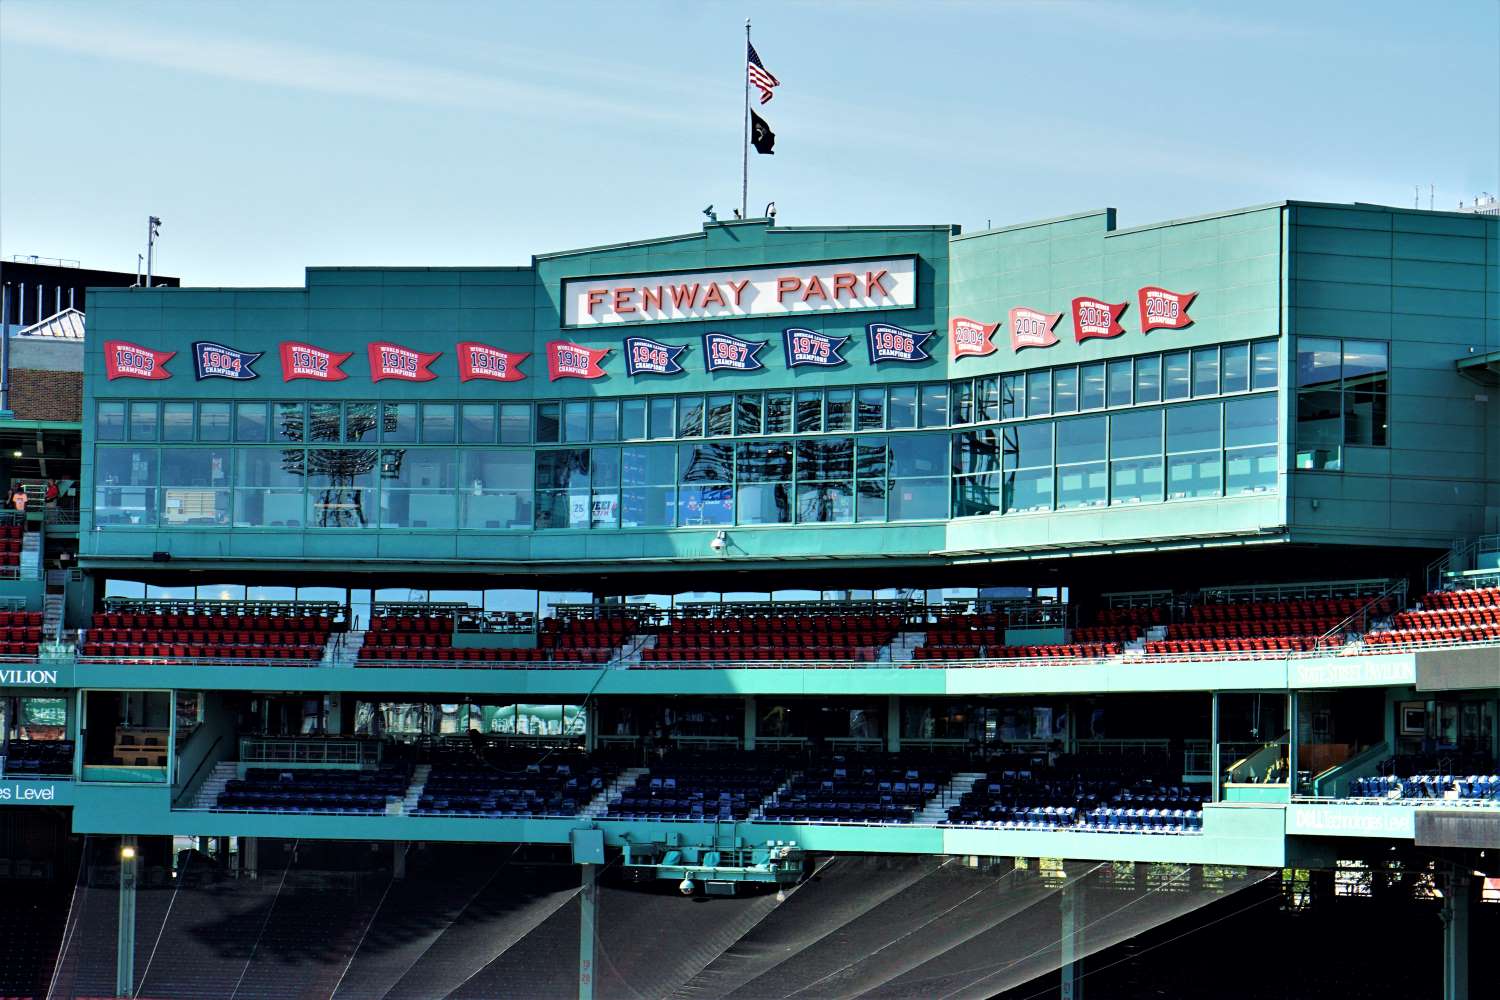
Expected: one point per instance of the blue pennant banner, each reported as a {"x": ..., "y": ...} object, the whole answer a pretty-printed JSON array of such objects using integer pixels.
[
  {"x": 892, "y": 343},
  {"x": 217, "y": 361},
  {"x": 808, "y": 347},
  {"x": 648, "y": 357},
  {"x": 726, "y": 353}
]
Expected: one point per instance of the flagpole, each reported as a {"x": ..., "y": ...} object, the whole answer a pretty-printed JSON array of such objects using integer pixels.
[{"x": 745, "y": 131}]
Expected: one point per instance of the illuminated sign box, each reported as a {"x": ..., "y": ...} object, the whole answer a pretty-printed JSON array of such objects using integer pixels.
[{"x": 740, "y": 293}]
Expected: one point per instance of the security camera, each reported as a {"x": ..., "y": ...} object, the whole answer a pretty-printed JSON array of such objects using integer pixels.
[
  {"x": 718, "y": 542},
  {"x": 685, "y": 887},
  {"x": 770, "y": 210}
]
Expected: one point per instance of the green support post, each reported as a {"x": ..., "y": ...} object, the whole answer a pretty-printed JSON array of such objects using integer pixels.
[
  {"x": 893, "y": 723},
  {"x": 1072, "y": 942},
  {"x": 586, "y": 916},
  {"x": 125, "y": 935},
  {"x": 1213, "y": 748},
  {"x": 751, "y": 718},
  {"x": 1455, "y": 916}
]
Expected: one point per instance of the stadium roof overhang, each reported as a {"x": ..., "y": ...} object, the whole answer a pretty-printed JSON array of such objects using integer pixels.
[
  {"x": 1072, "y": 550},
  {"x": 1481, "y": 368}
]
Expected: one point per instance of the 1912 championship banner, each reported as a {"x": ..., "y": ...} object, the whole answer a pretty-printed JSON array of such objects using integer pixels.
[
  {"x": 306, "y": 361},
  {"x": 650, "y": 357},
  {"x": 894, "y": 343},
  {"x": 123, "y": 359},
  {"x": 725, "y": 353},
  {"x": 568, "y": 360},
  {"x": 1164, "y": 310},
  {"x": 395, "y": 361},
  {"x": 482, "y": 361},
  {"x": 1095, "y": 318},
  {"x": 1032, "y": 328},
  {"x": 217, "y": 361},
  {"x": 808, "y": 347}
]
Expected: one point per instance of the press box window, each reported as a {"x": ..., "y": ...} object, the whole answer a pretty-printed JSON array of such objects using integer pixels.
[
  {"x": 213, "y": 422},
  {"x": 142, "y": 421},
  {"x": 177, "y": 421},
  {"x": 110, "y": 422}
]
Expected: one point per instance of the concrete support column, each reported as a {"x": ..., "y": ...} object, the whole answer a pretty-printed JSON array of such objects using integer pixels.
[
  {"x": 1291, "y": 741},
  {"x": 398, "y": 858},
  {"x": 591, "y": 726},
  {"x": 1455, "y": 915},
  {"x": 250, "y": 856},
  {"x": 1213, "y": 748},
  {"x": 893, "y": 723},
  {"x": 586, "y": 934},
  {"x": 752, "y": 716},
  {"x": 1072, "y": 941},
  {"x": 125, "y": 936}
]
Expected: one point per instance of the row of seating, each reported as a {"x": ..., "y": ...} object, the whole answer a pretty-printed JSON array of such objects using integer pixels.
[
  {"x": 1253, "y": 629},
  {"x": 1285, "y": 643},
  {"x": 316, "y": 789},
  {"x": 1069, "y": 650},
  {"x": 211, "y": 620},
  {"x": 1282, "y": 610},
  {"x": 1468, "y": 597},
  {"x": 560, "y": 787},
  {"x": 721, "y": 786},
  {"x": 1433, "y": 636},
  {"x": 1427, "y": 786},
  {"x": 25, "y": 758}
]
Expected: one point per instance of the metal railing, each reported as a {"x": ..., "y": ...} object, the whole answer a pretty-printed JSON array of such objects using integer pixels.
[
  {"x": 266, "y": 750},
  {"x": 1359, "y": 620}
]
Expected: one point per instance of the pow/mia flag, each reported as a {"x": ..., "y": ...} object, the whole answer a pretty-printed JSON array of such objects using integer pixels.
[{"x": 761, "y": 136}]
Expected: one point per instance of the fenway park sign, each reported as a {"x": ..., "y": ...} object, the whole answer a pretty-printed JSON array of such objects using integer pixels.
[{"x": 778, "y": 290}]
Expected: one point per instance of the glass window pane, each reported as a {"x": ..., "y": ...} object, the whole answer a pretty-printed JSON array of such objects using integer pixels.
[
  {"x": 250, "y": 422},
  {"x": 633, "y": 420},
  {"x": 1250, "y": 421},
  {"x": 840, "y": 410},
  {"x": 1263, "y": 364},
  {"x": 195, "y": 467},
  {"x": 604, "y": 467},
  {"x": 706, "y": 462},
  {"x": 871, "y": 409},
  {"x": 873, "y": 458},
  {"x": 478, "y": 423},
  {"x": 1365, "y": 418},
  {"x": 323, "y": 422},
  {"x": 289, "y": 422},
  {"x": 515, "y": 423},
  {"x": 720, "y": 415},
  {"x": 1027, "y": 491},
  {"x": 1080, "y": 440},
  {"x": 437, "y": 423},
  {"x": 125, "y": 466},
  {"x": 705, "y": 505},
  {"x": 1178, "y": 380},
  {"x": 663, "y": 417},
  {"x": 1148, "y": 379},
  {"x": 177, "y": 421},
  {"x": 820, "y": 459},
  {"x": 825, "y": 503},
  {"x": 648, "y": 465},
  {"x": 409, "y": 468},
  {"x": 1135, "y": 480},
  {"x": 111, "y": 422},
  {"x": 1364, "y": 358},
  {"x": 548, "y": 423},
  {"x": 1250, "y": 470},
  {"x": 359, "y": 421},
  {"x": 143, "y": 421},
  {"x": 125, "y": 486},
  {"x": 1119, "y": 379},
  {"x": 398, "y": 423},
  {"x": 987, "y": 397},
  {"x": 1319, "y": 429},
  {"x": 1317, "y": 361},
  {"x": 976, "y": 496},
  {"x": 213, "y": 422},
  {"x": 978, "y": 451},
  {"x": 604, "y": 420},
  {"x": 962, "y": 402},
  {"x": 1206, "y": 371},
  {"x": 1038, "y": 394},
  {"x": 1012, "y": 397},
  {"x": 491, "y": 469},
  {"x": 1234, "y": 360},
  {"x": 747, "y": 413},
  {"x": 809, "y": 412},
  {"x": 1065, "y": 390},
  {"x": 562, "y": 469},
  {"x": 648, "y": 506},
  {"x": 1133, "y": 435},
  {"x": 690, "y": 417},
  {"x": 1195, "y": 474},
  {"x": 763, "y": 503},
  {"x": 1091, "y": 387},
  {"x": 1028, "y": 445},
  {"x": 778, "y": 413},
  {"x": 901, "y": 407},
  {"x": 1082, "y": 485},
  {"x": 918, "y": 499},
  {"x": 575, "y": 417},
  {"x": 869, "y": 500},
  {"x": 919, "y": 455},
  {"x": 934, "y": 406},
  {"x": 763, "y": 461},
  {"x": 1193, "y": 428},
  {"x": 269, "y": 467}
]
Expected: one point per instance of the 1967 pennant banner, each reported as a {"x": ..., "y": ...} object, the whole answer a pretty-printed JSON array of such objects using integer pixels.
[{"x": 726, "y": 353}]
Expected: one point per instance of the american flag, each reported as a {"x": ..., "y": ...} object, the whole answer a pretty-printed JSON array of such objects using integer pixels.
[{"x": 760, "y": 77}]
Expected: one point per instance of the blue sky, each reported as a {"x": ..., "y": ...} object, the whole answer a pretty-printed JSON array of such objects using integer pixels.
[{"x": 270, "y": 136}]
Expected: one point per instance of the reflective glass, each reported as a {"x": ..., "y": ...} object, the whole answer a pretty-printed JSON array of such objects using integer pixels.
[
  {"x": 1193, "y": 428},
  {"x": 1206, "y": 371},
  {"x": 142, "y": 421},
  {"x": 1250, "y": 470},
  {"x": 825, "y": 503},
  {"x": 1365, "y": 416},
  {"x": 563, "y": 469},
  {"x": 648, "y": 465},
  {"x": 663, "y": 417},
  {"x": 1082, "y": 485},
  {"x": 1250, "y": 421},
  {"x": 1319, "y": 437},
  {"x": 1080, "y": 440},
  {"x": 918, "y": 499},
  {"x": 488, "y": 470},
  {"x": 705, "y": 505},
  {"x": 633, "y": 420},
  {"x": 1135, "y": 480},
  {"x": 962, "y": 403},
  {"x": 360, "y": 422},
  {"x": 1012, "y": 397},
  {"x": 195, "y": 467},
  {"x": 548, "y": 423},
  {"x": 1263, "y": 364},
  {"x": 1194, "y": 474},
  {"x": 1134, "y": 435},
  {"x": 1178, "y": 375},
  {"x": 873, "y": 458},
  {"x": 975, "y": 496},
  {"x": 869, "y": 500},
  {"x": 820, "y": 459},
  {"x": 901, "y": 407},
  {"x": 478, "y": 423},
  {"x": 575, "y": 421},
  {"x": 1065, "y": 390},
  {"x": 1038, "y": 394},
  {"x": 720, "y": 414},
  {"x": 1364, "y": 358},
  {"x": 410, "y": 468},
  {"x": 987, "y": 397},
  {"x": 1119, "y": 379},
  {"x": 708, "y": 462},
  {"x": 840, "y": 410},
  {"x": 764, "y": 503},
  {"x": 177, "y": 421},
  {"x": 919, "y": 455},
  {"x": 690, "y": 417},
  {"x": 809, "y": 412},
  {"x": 250, "y": 421},
  {"x": 213, "y": 422},
  {"x": 1091, "y": 387},
  {"x": 1028, "y": 491},
  {"x": 1028, "y": 445},
  {"x": 1234, "y": 361},
  {"x": 747, "y": 413},
  {"x": 648, "y": 506},
  {"x": 515, "y": 423},
  {"x": 763, "y": 461},
  {"x": 871, "y": 412},
  {"x": 282, "y": 467},
  {"x": 110, "y": 423},
  {"x": 324, "y": 422},
  {"x": 398, "y": 423},
  {"x": 1318, "y": 361},
  {"x": 1148, "y": 379},
  {"x": 934, "y": 406},
  {"x": 289, "y": 422},
  {"x": 978, "y": 450}
]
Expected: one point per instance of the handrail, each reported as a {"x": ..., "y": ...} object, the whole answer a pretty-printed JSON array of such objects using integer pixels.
[
  {"x": 1334, "y": 635},
  {"x": 187, "y": 786}
]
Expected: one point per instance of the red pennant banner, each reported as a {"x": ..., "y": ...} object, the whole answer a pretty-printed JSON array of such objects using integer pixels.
[
  {"x": 1095, "y": 318},
  {"x": 971, "y": 337},
  {"x": 395, "y": 361},
  {"x": 1030, "y": 328},
  {"x": 486, "y": 362},
  {"x": 1164, "y": 310},
  {"x": 565, "y": 360},
  {"x": 123, "y": 359},
  {"x": 307, "y": 361}
]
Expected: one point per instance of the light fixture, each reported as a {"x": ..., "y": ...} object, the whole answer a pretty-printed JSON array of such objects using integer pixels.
[
  {"x": 720, "y": 541},
  {"x": 16, "y": 453},
  {"x": 127, "y": 853}
]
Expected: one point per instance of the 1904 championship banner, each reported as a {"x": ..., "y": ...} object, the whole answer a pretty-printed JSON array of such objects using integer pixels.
[
  {"x": 894, "y": 343},
  {"x": 808, "y": 347},
  {"x": 217, "y": 361},
  {"x": 725, "y": 353},
  {"x": 650, "y": 357}
]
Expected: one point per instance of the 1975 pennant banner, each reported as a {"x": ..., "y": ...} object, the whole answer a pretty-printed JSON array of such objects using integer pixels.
[{"x": 808, "y": 347}]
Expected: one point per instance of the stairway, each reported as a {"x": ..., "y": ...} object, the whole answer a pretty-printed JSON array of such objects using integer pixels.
[
  {"x": 335, "y": 654},
  {"x": 629, "y": 655},
  {"x": 936, "y": 810},
  {"x": 31, "y": 555},
  {"x": 599, "y": 805},
  {"x": 759, "y": 812},
  {"x": 52, "y": 616},
  {"x": 899, "y": 650},
  {"x": 419, "y": 778},
  {"x": 208, "y": 793}
]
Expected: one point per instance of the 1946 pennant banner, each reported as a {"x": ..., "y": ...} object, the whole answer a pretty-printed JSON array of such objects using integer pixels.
[
  {"x": 808, "y": 347},
  {"x": 644, "y": 356},
  {"x": 1032, "y": 328},
  {"x": 726, "y": 353},
  {"x": 123, "y": 359},
  {"x": 212, "y": 360},
  {"x": 395, "y": 361},
  {"x": 1095, "y": 318},
  {"x": 1164, "y": 310},
  {"x": 482, "y": 361},
  {"x": 568, "y": 360},
  {"x": 894, "y": 343},
  {"x": 307, "y": 361},
  {"x": 971, "y": 338}
]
